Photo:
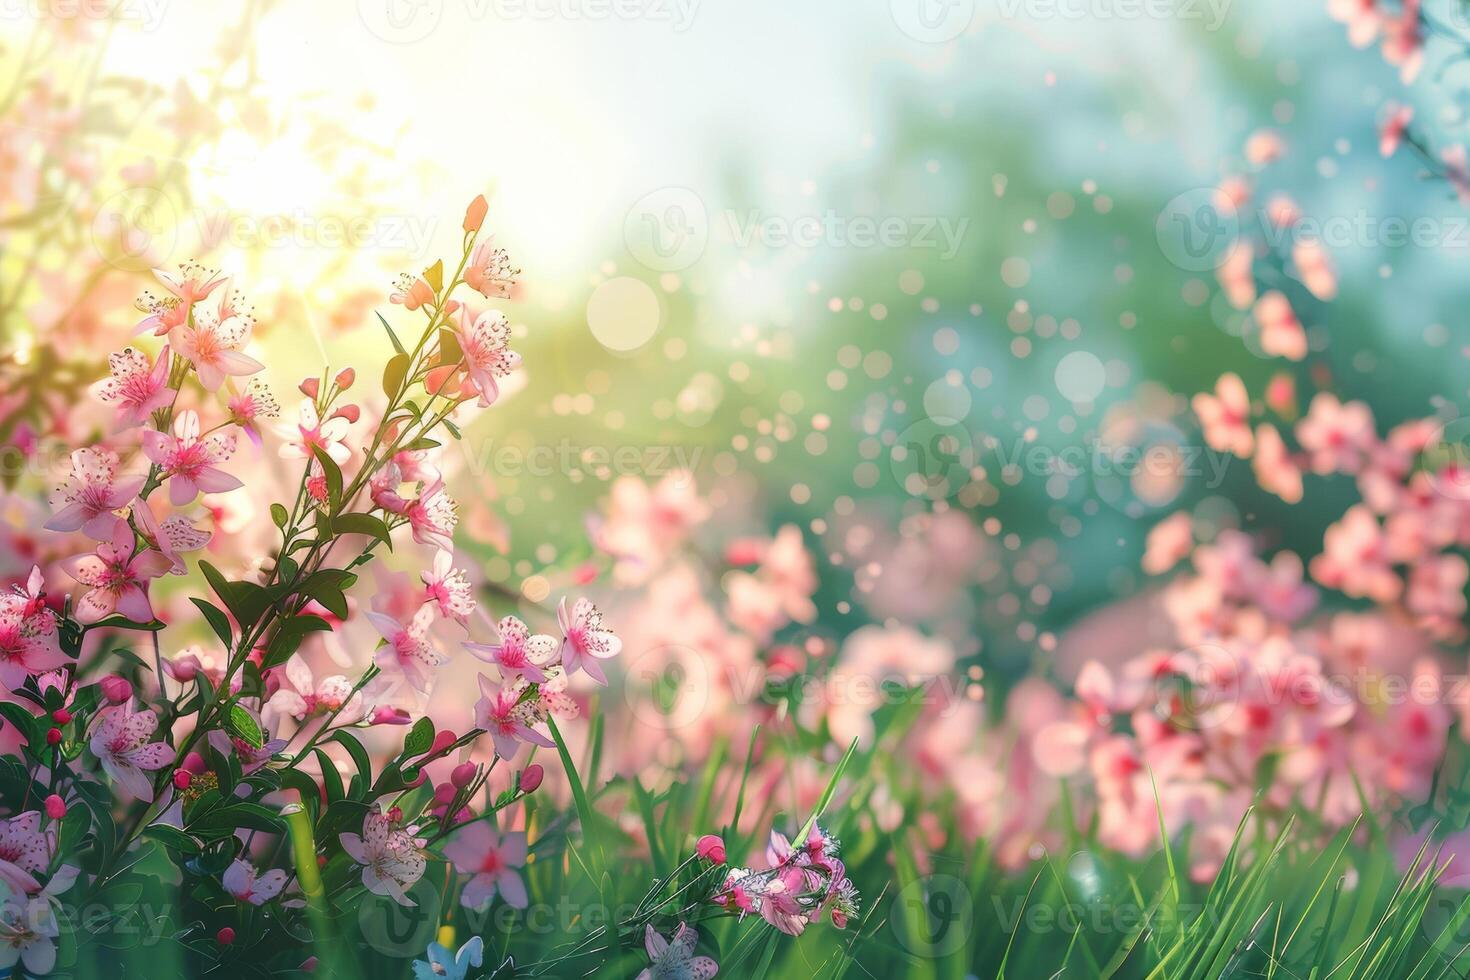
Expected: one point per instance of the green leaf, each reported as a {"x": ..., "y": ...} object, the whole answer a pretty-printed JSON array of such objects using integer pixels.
[
  {"x": 393, "y": 337},
  {"x": 288, "y": 637},
  {"x": 362, "y": 524},
  {"x": 279, "y": 515},
  {"x": 173, "y": 838},
  {"x": 394, "y": 373},
  {"x": 244, "y": 727},
  {"x": 327, "y": 586},
  {"x": 360, "y": 759},
  {"x": 449, "y": 349},
  {"x": 246, "y": 601},
  {"x": 218, "y": 621},
  {"x": 420, "y": 738},
  {"x": 333, "y": 474}
]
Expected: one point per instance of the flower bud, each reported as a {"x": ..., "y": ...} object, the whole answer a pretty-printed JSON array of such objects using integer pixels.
[
  {"x": 531, "y": 778},
  {"x": 225, "y": 936},
  {"x": 311, "y": 387},
  {"x": 388, "y": 715},
  {"x": 444, "y": 792},
  {"x": 345, "y": 377},
  {"x": 395, "y": 815},
  {"x": 349, "y": 412},
  {"x": 53, "y": 737},
  {"x": 442, "y": 741},
  {"x": 116, "y": 688},
  {"x": 61, "y": 716},
  {"x": 194, "y": 763},
  {"x": 55, "y": 807},
  {"x": 464, "y": 774},
  {"x": 308, "y": 965},
  {"x": 474, "y": 215},
  {"x": 182, "y": 779},
  {"x": 711, "y": 848}
]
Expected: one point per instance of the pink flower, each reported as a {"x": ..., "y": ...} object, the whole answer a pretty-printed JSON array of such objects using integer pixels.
[
  {"x": 501, "y": 712},
  {"x": 91, "y": 494},
  {"x": 28, "y": 641},
  {"x": 1395, "y": 124},
  {"x": 479, "y": 850},
  {"x": 392, "y": 859},
  {"x": 121, "y": 741},
  {"x": 1355, "y": 559},
  {"x": 1362, "y": 17},
  {"x": 247, "y": 885},
  {"x": 192, "y": 283},
  {"x": 518, "y": 654},
  {"x": 411, "y": 293},
  {"x": 311, "y": 433},
  {"x": 1235, "y": 275},
  {"x": 1437, "y": 588},
  {"x": 305, "y": 696},
  {"x": 486, "y": 354},
  {"x": 1225, "y": 416},
  {"x": 1274, "y": 467},
  {"x": 1339, "y": 437},
  {"x": 1281, "y": 332},
  {"x": 710, "y": 848},
  {"x": 25, "y": 849},
  {"x": 118, "y": 578},
  {"x": 1403, "y": 41},
  {"x": 135, "y": 389},
  {"x": 1168, "y": 543},
  {"x": 28, "y": 931},
  {"x": 585, "y": 641},
  {"x": 432, "y": 517},
  {"x": 488, "y": 272},
  {"x": 1314, "y": 269},
  {"x": 674, "y": 958},
  {"x": 189, "y": 462},
  {"x": 448, "y": 588},
  {"x": 213, "y": 347},
  {"x": 170, "y": 536},
  {"x": 408, "y": 651},
  {"x": 250, "y": 406}
]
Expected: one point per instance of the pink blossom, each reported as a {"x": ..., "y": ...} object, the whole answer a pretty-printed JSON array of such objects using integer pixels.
[
  {"x": 1391, "y": 130},
  {"x": 213, "y": 346},
  {"x": 1275, "y": 469},
  {"x": 508, "y": 718},
  {"x": 121, "y": 741},
  {"x": 491, "y": 857},
  {"x": 303, "y": 696},
  {"x": 1362, "y": 17},
  {"x": 311, "y": 433},
  {"x": 28, "y": 932},
  {"x": 248, "y": 407},
  {"x": 92, "y": 493},
  {"x": 1403, "y": 41},
  {"x": 1338, "y": 437},
  {"x": 1170, "y": 541},
  {"x": 1281, "y": 332},
  {"x": 489, "y": 272},
  {"x": 28, "y": 640},
  {"x": 519, "y": 653},
  {"x": 392, "y": 858},
  {"x": 1437, "y": 588},
  {"x": 1225, "y": 416},
  {"x": 1314, "y": 269},
  {"x": 25, "y": 850},
  {"x": 170, "y": 536},
  {"x": 1355, "y": 559},
  {"x": 674, "y": 958},
  {"x": 432, "y": 517},
  {"x": 135, "y": 389},
  {"x": 448, "y": 588},
  {"x": 192, "y": 283},
  {"x": 247, "y": 885},
  {"x": 1236, "y": 277},
  {"x": 408, "y": 651},
  {"x": 486, "y": 354},
  {"x": 1264, "y": 146},
  {"x": 118, "y": 577},
  {"x": 585, "y": 641},
  {"x": 188, "y": 461}
]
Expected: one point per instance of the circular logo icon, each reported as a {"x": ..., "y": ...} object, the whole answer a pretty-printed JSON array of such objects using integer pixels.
[
  {"x": 400, "y": 931},
  {"x": 668, "y": 686},
  {"x": 1447, "y": 459},
  {"x": 933, "y": 458},
  {"x": 667, "y": 229},
  {"x": 1196, "y": 229},
  {"x": 1202, "y": 691},
  {"x": 401, "y": 21},
  {"x": 933, "y": 917},
  {"x": 136, "y": 229},
  {"x": 932, "y": 21}
]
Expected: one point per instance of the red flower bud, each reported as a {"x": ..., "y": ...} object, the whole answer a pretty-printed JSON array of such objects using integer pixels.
[
  {"x": 182, "y": 778},
  {"x": 711, "y": 848},
  {"x": 442, "y": 741},
  {"x": 444, "y": 792},
  {"x": 61, "y": 716},
  {"x": 194, "y": 763},
  {"x": 116, "y": 688},
  {"x": 308, "y": 965},
  {"x": 387, "y": 715},
  {"x": 464, "y": 774},
  {"x": 53, "y": 737},
  {"x": 345, "y": 377},
  {"x": 531, "y": 778},
  {"x": 225, "y": 936},
  {"x": 55, "y": 807},
  {"x": 349, "y": 412},
  {"x": 474, "y": 215},
  {"x": 311, "y": 387}
]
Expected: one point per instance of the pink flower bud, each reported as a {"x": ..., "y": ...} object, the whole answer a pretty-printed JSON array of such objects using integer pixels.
[
  {"x": 345, "y": 377},
  {"x": 225, "y": 936},
  {"x": 419, "y": 776},
  {"x": 444, "y": 792},
  {"x": 194, "y": 763},
  {"x": 474, "y": 215},
  {"x": 442, "y": 741},
  {"x": 395, "y": 815},
  {"x": 464, "y": 774},
  {"x": 711, "y": 848},
  {"x": 182, "y": 778},
  {"x": 349, "y": 412},
  {"x": 308, "y": 965},
  {"x": 53, "y": 737},
  {"x": 61, "y": 716},
  {"x": 531, "y": 778},
  {"x": 311, "y": 387},
  {"x": 116, "y": 688},
  {"x": 386, "y": 715},
  {"x": 55, "y": 807}
]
